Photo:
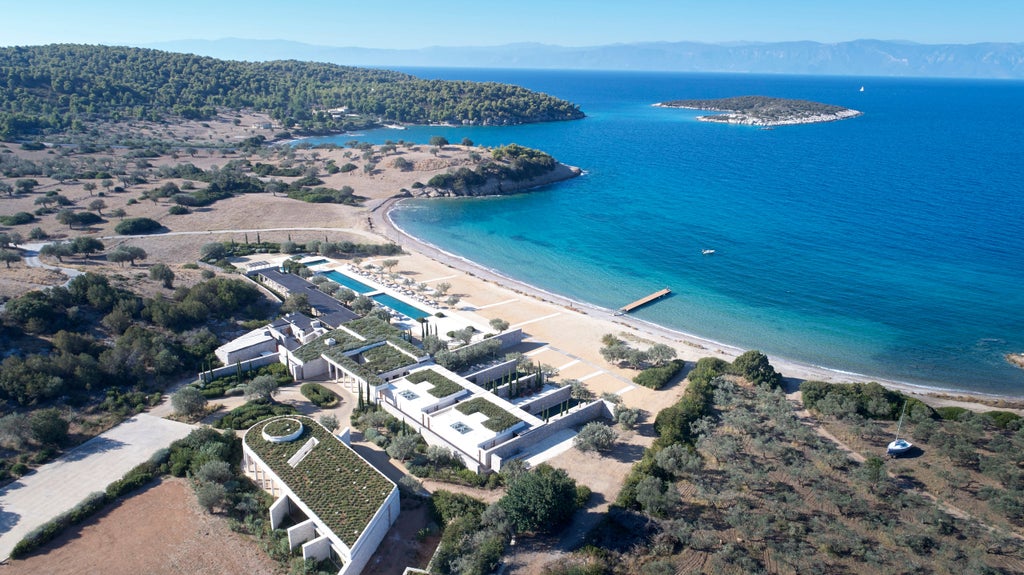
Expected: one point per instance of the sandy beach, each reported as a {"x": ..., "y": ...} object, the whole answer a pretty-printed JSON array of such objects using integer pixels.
[
  {"x": 589, "y": 322},
  {"x": 573, "y": 326}
]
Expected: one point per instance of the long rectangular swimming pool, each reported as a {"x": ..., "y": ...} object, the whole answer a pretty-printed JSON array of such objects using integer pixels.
[
  {"x": 399, "y": 306},
  {"x": 352, "y": 284}
]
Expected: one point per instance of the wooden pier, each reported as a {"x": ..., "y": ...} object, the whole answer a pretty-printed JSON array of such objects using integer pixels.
[{"x": 645, "y": 300}]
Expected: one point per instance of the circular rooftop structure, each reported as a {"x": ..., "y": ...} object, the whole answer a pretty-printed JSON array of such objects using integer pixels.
[{"x": 282, "y": 430}]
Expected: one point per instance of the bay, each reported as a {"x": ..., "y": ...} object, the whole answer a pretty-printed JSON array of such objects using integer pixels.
[{"x": 888, "y": 244}]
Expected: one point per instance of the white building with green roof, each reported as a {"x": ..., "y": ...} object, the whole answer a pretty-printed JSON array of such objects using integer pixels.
[
  {"x": 331, "y": 501},
  {"x": 483, "y": 428},
  {"x": 364, "y": 353}
]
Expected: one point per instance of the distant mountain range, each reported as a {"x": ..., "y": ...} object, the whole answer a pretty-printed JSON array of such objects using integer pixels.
[{"x": 856, "y": 58}]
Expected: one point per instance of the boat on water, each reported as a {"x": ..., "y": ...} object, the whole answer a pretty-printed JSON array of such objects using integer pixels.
[
  {"x": 707, "y": 252},
  {"x": 899, "y": 446},
  {"x": 862, "y": 88}
]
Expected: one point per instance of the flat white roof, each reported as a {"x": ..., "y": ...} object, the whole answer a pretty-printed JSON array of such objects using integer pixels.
[
  {"x": 460, "y": 429},
  {"x": 254, "y": 337}
]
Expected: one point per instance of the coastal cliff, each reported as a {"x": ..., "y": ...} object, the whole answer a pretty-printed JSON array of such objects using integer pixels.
[{"x": 764, "y": 111}]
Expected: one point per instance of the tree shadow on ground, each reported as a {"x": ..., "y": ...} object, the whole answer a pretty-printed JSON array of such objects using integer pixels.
[
  {"x": 626, "y": 453},
  {"x": 8, "y": 520},
  {"x": 95, "y": 445}
]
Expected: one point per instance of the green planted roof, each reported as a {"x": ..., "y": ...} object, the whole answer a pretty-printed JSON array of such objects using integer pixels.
[
  {"x": 497, "y": 418},
  {"x": 342, "y": 489},
  {"x": 344, "y": 341},
  {"x": 371, "y": 329},
  {"x": 442, "y": 386},
  {"x": 385, "y": 358}
]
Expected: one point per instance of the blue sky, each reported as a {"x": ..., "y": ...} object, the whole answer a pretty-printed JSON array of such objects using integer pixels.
[{"x": 420, "y": 23}]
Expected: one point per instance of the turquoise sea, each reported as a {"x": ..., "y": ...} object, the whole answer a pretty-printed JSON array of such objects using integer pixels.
[{"x": 890, "y": 245}]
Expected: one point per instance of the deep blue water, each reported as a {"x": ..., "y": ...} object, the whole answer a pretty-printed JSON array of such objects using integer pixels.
[{"x": 889, "y": 244}]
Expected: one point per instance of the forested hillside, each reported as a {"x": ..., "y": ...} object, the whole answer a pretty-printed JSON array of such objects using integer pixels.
[{"x": 62, "y": 86}]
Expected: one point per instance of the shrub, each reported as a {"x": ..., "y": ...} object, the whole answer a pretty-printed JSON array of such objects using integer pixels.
[
  {"x": 210, "y": 495},
  {"x": 446, "y": 506},
  {"x": 319, "y": 395},
  {"x": 952, "y": 413},
  {"x": 541, "y": 500},
  {"x": 188, "y": 401},
  {"x": 48, "y": 426},
  {"x": 595, "y": 436},
  {"x": 245, "y": 416},
  {"x": 137, "y": 226},
  {"x": 1001, "y": 419},
  {"x": 657, "y": 377},
  {"x": 215, "y": 471},
  {"x": 754, "y": 367},
  {"x": 869, "y": 400},
  {"x": 17, "y": 219},
  {"x": 138, "y": 476},
  {"x": 403, "y": 446},
  {"x": 177, "y": 210},
  {"x": 51, "y": 529}
]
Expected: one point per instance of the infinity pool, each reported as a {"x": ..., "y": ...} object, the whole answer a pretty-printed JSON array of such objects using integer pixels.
[
  {"x": 399, "y": 306},
  {"x": 352, "y": 284}
]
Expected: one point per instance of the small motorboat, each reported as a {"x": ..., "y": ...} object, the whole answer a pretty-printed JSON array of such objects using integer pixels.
[{"x": 707, "y": 252}]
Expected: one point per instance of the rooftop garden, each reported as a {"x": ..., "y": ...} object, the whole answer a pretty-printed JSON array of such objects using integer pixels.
[
  {"x": 374, "y": 328},
  {"x": 371, "y": 329},
  {"x": 497, "y": 418},
  {"x": 385, "y": 358},
  {"x": 344, "y": 341},
  {"x": 360, "y": 370},
  {"x": 344, "y": 491},
  {"x": 443, "y": 387}
]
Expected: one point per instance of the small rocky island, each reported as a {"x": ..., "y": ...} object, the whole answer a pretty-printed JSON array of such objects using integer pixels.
[{"x": 764, "y": 111}]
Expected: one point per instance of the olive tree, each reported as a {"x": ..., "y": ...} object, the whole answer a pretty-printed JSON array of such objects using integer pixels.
[
  {"x": 595, "y": 436},
  {"x": 403, "y": 446},
  {"x": 188, "y": 401},
  {"x": 542, "y": 499},
  {"x": 162, "y": 273},
  {"x": 262, "y": 387}
]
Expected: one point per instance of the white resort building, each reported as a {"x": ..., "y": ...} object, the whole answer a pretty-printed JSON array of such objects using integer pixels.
[
  {"x": 485, "y": 428},
  {"x": 332, "y": 502},
  {"x": 489, "y": 414}
]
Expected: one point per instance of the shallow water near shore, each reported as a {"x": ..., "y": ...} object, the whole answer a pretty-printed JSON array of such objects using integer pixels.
[{"x": 887, "y": 244}]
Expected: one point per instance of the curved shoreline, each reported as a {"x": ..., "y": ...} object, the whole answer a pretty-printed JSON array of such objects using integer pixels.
[{"x": 790, "y": 369}]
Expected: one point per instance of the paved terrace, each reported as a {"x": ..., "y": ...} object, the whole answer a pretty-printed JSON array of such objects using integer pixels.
[{"x": 58, "y": 486}]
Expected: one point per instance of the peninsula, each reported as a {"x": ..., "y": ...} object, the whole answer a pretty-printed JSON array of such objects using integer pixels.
[{"x": 764, "y": 110}]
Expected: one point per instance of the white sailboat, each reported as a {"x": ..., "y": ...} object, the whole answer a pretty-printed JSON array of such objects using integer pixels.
[{"x": 899, "y": 446}]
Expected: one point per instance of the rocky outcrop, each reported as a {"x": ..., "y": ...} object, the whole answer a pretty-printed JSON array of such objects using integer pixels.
[
  {"x": 764, "y": 111},
  {"x": 499, "y": 187},
  {"x": 1016, "y": 359}
]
